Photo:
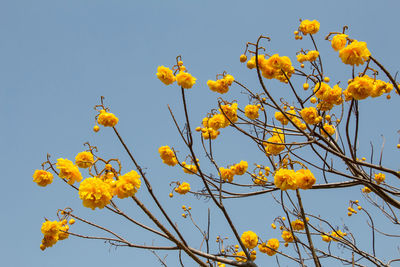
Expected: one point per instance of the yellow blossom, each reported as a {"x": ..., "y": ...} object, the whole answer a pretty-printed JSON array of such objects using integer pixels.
[
  {"x": 242, "y": 254},
  {"x": 107, "y": 119},
  {"x": 251, "y": 112},
  {"x": 287, "y": 236},
  {"x": 360, "y": 88},
  {"x": 221, "y": 86},
  {"x": 230, "y": 111},
  {"x": 127, "y": 184},
  {"x": 183, "y": 188},
  {"x": 84, "y": 159},
  {"x": 189, "y": 169},
  {"x": 304, "y": 179},
  {"x": 240, "y": 168},
  {"x": 276, "y": 148},
  {"x": 167, "y": 155},
  {"x": 217, "y": 121},
  {"x": 297, "y": 225},
  {"x": 309, "y": 27},
  {"x": 330, "y": 129},
  {"x": 285, "y": 179},
  {"x": 309, "y": 115},
  {"x": 355, "y": 53},
  {"x": 249, "y": 239},
  {"x": 42, "y": 177},
  {"x": 269, "y": 248},
  {"x": 226, "y": 174},
  {"x": 337, "y": 234},
  {"x": 379, "y": 178},
  {"x": 339, "y": 41},
  {"x": 209, "y": 133},
  {"x": 185, "y": 80},
  {"x": 366, "y": 190},
  {"x": 165, "y": 75},
  {"x": 95, "y": 193},
  {"x": 326, "y": 238},
  {"x": 68, "y": 171}
]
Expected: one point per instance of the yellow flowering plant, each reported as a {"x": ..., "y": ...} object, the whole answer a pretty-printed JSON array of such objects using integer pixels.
[{"x": 306, "y": 140}]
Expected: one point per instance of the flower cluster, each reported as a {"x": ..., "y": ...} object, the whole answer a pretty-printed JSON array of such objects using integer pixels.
[
  {"x": 291, "y": 114},
  {"x": 68, "y": 171},
  {"x": 240, "y": 168},
  {"x": 189, "y": 169},
  {"x": 355, "y": 53},
  {"x": 286, "y": 179},
  {"x": 362, "y": 87},
  {"x": 167, "y": 155},
  {"x": 249, "y": 239},
  {"x": 297, "y": 225},
  {"x": 275, "y": 67},
  {"x": 273, "y": 144},
  {"x": 84, "y": 159},
  {"x": 53, "y": 231},
  {"x": 269, "y": 248},
  {"x": 310, "y": 115},
  {"x": 226, "y": 174},
  {"x": 95, "y": 193},
  {"x": 186, "y": 80},
  {"x": 222, "y": 85},
  {"x": 309, "y": 27},
  {"x": 287, "y": 236},
  {"x": 339, "y": 41},
  {"x": 379, "y": 178},
  {"x": 328, "y": 96},
  {"x": 107, "y": 119},
  {"x": 165, "y": 75},
  {"x": 251, "y": 111},
  {"x": 42, "y": 177},
  {"x": 127, "y": 184},
  {"x": 310, "y": 56},
  {"x": 329, "y": 129},
  {"x": 183, "y": 188}
]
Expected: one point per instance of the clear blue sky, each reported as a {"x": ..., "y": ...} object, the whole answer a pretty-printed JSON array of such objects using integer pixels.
[{"x": 58, "y": 57}]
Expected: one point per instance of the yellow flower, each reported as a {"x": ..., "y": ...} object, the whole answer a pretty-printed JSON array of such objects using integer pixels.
[
  {"x": 251, "y": 112},
  {"x": 68, "y": 171},
  {"x": 297, "y": 225},
  {"x": 381, "y": 87},
  {"x": 321, "y": 90},
  {"x": 304, "y": 179},
  {"x": 217, "y": 121},
  {"x": 285, "y": 179},
  {"x": 42, "y": 177},
  {"x": 84, "y": 159},
  {"x": 183, "y": 188},
  {"x": 209, "y": 133},
  {"x": 167, "y": 156},
  {"x": 185, "y": 80},
  {"x": 240, "y": 259},
  {"x": 280, "y": 117},
  {"x": 230, "y": 111},
  {"x": 326, "y": 238},
  {"x": 189, "y": 169},
  {"x": 355, "y": 53},
  {"x": 221, "y": 86},
  {"x": 127, "y": 184},
  {"x": 276, "y": 67},
  {"x": 107, "y": 119},
  {"x": 312, "y": 55},
  {"x": 50, "y": 230},
  {"x": 249, "y": 239},
  {"x": 330, "y": 129},
  {"x": 226, "y": 174},
  {"x": 366, "y": 190},
  {"x": 287, "y": 236},
  {"x": 360, "y": 88},
  {"x": 165, "y": 75},
  {"x": 274, "y": 149},
  {"x": 95, "y": 193},
  {"x": 310, "y": 115},
  {"x": 309, "y": 27},
  {"x": 240, "y": 168},
  {"x": 339, "y": 41},
  {"x": 338, "y": 235},
  {"x": 269, "y": 248},
  {"x": 379, "y": 178}
]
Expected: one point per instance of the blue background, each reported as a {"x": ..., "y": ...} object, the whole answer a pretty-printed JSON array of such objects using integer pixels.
[{"x": 58, "y": 57}]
